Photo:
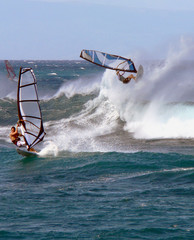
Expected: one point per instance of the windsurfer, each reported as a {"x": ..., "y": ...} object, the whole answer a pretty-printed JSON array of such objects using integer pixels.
[
  {"x": 10, "y": 71},
  {"x": 123, "y": 79},
  {"x": 14, "y": 136}
]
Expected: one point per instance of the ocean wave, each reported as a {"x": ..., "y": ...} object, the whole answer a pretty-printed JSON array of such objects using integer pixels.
[
  {"x": 80, "y": 86},
  {"x": 95, "y": 112}
]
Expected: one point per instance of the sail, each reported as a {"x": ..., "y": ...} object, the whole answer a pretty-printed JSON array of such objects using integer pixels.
[
  {"x": 29, "y": 111},
  {"x": 10, "y": 71},
  {"x": 110, "y": 61}
]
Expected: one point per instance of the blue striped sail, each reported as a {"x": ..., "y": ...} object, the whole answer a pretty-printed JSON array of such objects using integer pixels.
[{"x": 110, "y": 61}]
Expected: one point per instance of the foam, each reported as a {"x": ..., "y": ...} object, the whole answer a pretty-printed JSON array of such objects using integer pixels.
[{"x": 80, "y": 86}]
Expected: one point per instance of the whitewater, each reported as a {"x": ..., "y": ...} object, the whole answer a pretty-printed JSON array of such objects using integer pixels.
[
  {"x": 117, "y": 159},
  {"x": 160, "y": 106}
]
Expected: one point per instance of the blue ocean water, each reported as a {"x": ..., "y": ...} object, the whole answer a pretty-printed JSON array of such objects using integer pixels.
[{"x": 116, "y": 163}]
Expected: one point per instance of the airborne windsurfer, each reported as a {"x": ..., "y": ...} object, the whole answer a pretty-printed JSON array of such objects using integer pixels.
[
  {"x": 120, "y": 64},
  {"x": 123, "y": 79},
  {"x": 14, "y": 136}
]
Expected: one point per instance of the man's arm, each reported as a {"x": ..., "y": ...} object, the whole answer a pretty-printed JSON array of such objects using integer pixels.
[{"x": 16, "y": 131}]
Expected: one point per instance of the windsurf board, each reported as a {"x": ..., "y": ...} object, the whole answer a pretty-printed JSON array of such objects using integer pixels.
[
  {"x": 24, "y": 152},
  {"x": 139, "y": 73}
]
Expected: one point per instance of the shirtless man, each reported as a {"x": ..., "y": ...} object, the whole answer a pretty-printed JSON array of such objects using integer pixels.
[
  {"x": 123, "y": 79},
  {"x": 14, "y": 136}
]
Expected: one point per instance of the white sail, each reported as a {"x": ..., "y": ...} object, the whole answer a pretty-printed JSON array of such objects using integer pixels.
[{"x": 29, "y": 111}]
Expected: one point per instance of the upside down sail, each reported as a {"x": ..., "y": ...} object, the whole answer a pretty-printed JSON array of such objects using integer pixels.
[
  {"x": 110, "y": 61},
  {"x": 29, "y": 112}
]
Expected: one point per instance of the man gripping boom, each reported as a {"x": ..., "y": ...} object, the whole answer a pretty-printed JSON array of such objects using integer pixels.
[{"x": 14, "y": 136}]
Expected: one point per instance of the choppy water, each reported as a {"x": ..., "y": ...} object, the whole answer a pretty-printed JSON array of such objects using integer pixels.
[{"x": 117, "y": 160}]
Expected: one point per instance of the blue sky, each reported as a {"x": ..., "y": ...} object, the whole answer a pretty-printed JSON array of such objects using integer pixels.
[{"x": 60, "y": 29}]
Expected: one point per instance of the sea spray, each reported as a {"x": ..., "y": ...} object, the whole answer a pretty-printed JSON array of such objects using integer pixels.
[
  {"x": 96, "y": 112},
  {"x": 148, "y": 107},
  {"x": 79, "y": 86},
  {"x": 80, "y": 131},
  {"x": 8, "y": 87},
  {"x": 49, "y": 148}
]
